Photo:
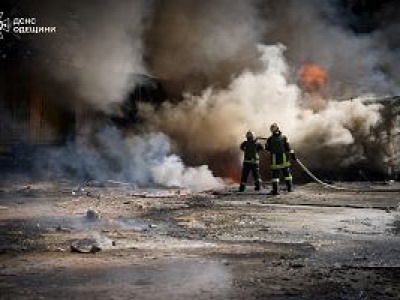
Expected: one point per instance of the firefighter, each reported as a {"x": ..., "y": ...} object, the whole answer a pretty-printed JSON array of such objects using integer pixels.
[
  {"x": 281, "y": 154},
  {"x": 251, "y": 150}
]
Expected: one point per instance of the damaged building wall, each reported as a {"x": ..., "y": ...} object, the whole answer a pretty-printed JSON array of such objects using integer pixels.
[
  {"x": 30, "y": 114},
  {"x": 15, "y": 106}
]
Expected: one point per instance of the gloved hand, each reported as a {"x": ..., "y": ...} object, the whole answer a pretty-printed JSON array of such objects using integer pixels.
[{"x": 293, "y": 155}]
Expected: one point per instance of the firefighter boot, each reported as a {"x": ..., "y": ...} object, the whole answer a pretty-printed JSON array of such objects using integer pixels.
[
  {"x": 257, "y": 185},
  {"x": 275, "y": 186},
  {"x": 289, "y": 185}
]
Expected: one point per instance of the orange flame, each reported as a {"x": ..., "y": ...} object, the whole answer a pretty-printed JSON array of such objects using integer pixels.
[
  {"x": 226, "y": 165},
  {"x": 313, "y": 77}
]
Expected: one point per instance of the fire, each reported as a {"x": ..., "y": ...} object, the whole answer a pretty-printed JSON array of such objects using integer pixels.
[
  {"x": 313, "y": 77},
  {"x": 227, "y": 165},
  {"x": 232, "y": 174}
]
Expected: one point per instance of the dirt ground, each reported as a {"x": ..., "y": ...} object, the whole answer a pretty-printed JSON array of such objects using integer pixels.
[{"x": 171, "y": 244}]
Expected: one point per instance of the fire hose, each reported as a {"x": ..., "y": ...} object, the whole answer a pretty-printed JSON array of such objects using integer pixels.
[
  {"x": 335, "y": 187},
  {"x": 341, "y": 188}
]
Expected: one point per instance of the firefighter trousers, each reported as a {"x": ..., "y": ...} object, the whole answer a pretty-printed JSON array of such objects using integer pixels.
[
  {"x": 275, "y": 179},
  {"x": 255, "y": 170}
]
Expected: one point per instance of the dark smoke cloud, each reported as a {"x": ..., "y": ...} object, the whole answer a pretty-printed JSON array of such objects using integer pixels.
[
  {"x": 98, "y": 49},
  {"x": 196, "y": 44},
  {"x": 314, "y": 31}
]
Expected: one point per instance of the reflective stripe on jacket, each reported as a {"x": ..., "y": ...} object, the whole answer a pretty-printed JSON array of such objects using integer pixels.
[{"x": 279, "y": 148}]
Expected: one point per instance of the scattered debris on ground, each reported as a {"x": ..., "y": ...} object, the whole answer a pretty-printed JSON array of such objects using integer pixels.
[{"x": 158, "y": 243}]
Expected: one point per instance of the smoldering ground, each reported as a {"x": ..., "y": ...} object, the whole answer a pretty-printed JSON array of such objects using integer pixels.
[{"x": 230, "y": 66}]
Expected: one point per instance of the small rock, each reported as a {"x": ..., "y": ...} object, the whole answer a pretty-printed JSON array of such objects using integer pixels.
[
  {"x": 85, "y": 246},
  {"x": 93, "y": 195},
  {"x": 92, "y": 215}
]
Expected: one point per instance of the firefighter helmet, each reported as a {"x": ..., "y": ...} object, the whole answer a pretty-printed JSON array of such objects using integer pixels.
[
  {"x": 250, "y": 135},
  {"x": 274, "y": 127}
]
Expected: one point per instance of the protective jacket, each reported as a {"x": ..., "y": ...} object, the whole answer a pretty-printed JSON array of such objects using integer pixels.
[
  {"x": 251, "y": 160},
  {"x": 251, "y": 151},
  {"x": 280, "y": 150}
]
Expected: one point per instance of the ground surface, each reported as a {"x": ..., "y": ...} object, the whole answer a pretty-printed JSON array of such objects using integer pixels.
[{"x": 170, "y": 244}]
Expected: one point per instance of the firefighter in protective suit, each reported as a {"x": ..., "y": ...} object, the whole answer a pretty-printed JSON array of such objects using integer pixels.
[
  {"x": 251, "y": 150},
  {"x": 281, "y": 154}
]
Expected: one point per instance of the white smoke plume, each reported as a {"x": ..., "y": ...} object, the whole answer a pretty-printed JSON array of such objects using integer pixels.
[
  {"x": 144, "y": 160},
  {"x": 218, "y": 119}
]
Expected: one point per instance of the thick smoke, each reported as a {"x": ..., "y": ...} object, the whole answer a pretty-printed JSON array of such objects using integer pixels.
[
  {"x": 267, "y": 91},
  {"x": 98, "y": 49},
  {"x": 99, "y": 54},
  {"x": 218, "y": 119},
  {"x": 196, "y": 44},
  {"x": 314, "y": 31},
  {"x": 231, "y": 66},
  {"x": 144, "y": 160}
]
